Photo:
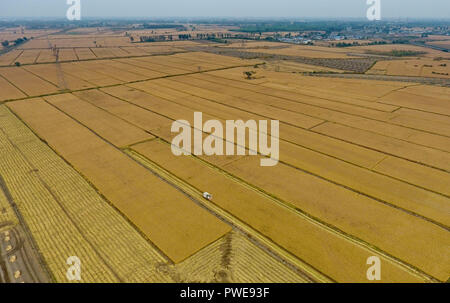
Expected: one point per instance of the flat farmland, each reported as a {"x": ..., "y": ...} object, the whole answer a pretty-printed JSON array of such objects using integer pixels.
[
  {"x": 43, "y": 79},
  {"x": 27, "y": 82},
  {"x": 408, "y": 204},
  {"x": 363, "y": 168},
  {"x": 120, "y": 182},
  {"x": 50, "y": 73},
  {"x": 28, "y": 57},
  {"x": 427, "y": 52},
  {"x": 306, "y": 51},
  {"x": 414, "y": 68}
]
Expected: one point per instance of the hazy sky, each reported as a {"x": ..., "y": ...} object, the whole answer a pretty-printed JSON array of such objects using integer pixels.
[{"x": 227, "y": 8}]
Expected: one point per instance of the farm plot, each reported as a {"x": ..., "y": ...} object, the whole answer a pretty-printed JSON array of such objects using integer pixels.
[
  {"x": 349, "y": 152},
  {"x": 261, "y": 108},
  {"x": 103, "y": 52},
  {"x": 10, "y": 57},
  {"x": 154, "y": 66},
  {"x": 28, "y": 57},
  {"x": 427, "y": 104},
  {"x": 305, "y": 51},
  {"x": 135, "y": 115},
  {"x": 387, "y": 48},
  {"x": 179, "y": 228},
  {"x": 27, "y": 82},
  {"x": 414, "y": 68},
  {"x": 51, "y": 73},
  {"x": 387, "y": 228},
  {"x": 305, "y": 102},
  {"x": 67, "y": 54}
]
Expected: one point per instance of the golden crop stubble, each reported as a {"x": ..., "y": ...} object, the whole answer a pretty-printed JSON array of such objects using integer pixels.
[{"x": 167, "y": 217}]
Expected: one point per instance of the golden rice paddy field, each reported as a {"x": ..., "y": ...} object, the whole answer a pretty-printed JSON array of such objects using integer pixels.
[
  {"x": 413, "y": 67},
  {"x": 86, "y": 165},
  {"x": 428, "y": 53}
]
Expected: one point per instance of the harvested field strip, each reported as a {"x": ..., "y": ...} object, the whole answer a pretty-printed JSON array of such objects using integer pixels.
[
  {"x": 9, "y": 91},
  {"x": 107, "y": 126},
  {"x": 403, "y": 195},
  {"x": 179, "y": 229},
  {"x": 250, "y": 241},
  {"x": 49, "y": 72},
  {"x": 278, "y": 223},
  {"x": 27, "y": 82},
  {"x": 367, "y": 218},
  {"x": 93, "y": 223}
]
